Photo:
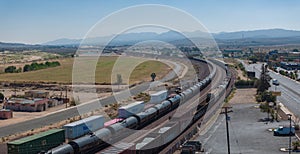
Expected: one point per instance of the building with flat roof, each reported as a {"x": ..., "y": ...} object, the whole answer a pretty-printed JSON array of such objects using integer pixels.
[
  {"x": 290, "y": 65},
  {"x": 236, "y": 53},
  {"x": 37, "y": 94},
  {"x": 29, "y": 105},
  {"x": 6, "y": 114}
]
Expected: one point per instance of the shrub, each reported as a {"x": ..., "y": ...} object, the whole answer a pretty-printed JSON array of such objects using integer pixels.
[
  {"x": 37, "y": 66},
  {"x": 12, "y": 69}
]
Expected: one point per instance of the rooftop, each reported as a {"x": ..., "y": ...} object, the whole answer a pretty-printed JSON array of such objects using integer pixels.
[
  {"x": 38, "y": 92},
  {"x": 7, "y": 110},
  {"x": 24, "y": 101},
  {"x": 232, "y": 50},
  {"x": 290, "y": 63}
]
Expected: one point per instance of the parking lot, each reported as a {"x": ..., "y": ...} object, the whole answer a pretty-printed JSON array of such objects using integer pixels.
[{"x": 247, "y": 133}]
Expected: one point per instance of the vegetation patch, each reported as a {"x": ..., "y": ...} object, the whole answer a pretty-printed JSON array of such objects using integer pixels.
[
  {"x": 142, "y": 97},
  {"x": 227, "y": 99},
  {"x": 103, "y": 72},
  {"x": 39, "y": 66},
  {"x": 112, "y": 110},
  {"x": 246, "y": 83}
]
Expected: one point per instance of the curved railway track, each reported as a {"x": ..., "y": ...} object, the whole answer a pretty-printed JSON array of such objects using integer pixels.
[
  {"x": 129, "y": 142},
  {"x": 193, "y": 100}
]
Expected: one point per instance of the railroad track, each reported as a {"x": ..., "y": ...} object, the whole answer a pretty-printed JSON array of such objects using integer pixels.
[
  {"x": 129, "y": 142},
  {"x": 150, "y": 119},
  {"x": 193, "y": 129}
]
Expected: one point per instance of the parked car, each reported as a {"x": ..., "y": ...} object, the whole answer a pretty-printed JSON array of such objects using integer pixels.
[
  {"x": 284, "y": 131},
  {"x": 188, "y": 149},
  {"x": 191, "y": 147},
  {"x": 275, "y": 82}
]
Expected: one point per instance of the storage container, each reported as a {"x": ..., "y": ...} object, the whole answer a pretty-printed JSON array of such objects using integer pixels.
[{"x": 84, "y": 126}]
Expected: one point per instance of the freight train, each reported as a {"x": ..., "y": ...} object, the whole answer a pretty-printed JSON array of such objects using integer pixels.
[
  {"x": 161, "y": 137},
  {"x": 96, "y": 141}
]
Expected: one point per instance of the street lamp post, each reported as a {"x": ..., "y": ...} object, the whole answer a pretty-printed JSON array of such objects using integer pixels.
[{"x": 290, "y": 137}]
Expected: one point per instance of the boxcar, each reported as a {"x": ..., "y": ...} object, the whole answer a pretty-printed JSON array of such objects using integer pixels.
[{"x": 37, "y": 143}]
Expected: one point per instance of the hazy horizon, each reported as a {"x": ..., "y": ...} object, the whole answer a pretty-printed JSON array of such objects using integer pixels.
[{"x": 36, "y": 22}]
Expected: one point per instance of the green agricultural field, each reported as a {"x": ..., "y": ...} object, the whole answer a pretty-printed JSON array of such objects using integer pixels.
[{"x": 103, "y": 75}]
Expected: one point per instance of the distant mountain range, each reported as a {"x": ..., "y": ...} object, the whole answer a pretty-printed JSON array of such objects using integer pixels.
[
  {"x": 267, "y": 33},
  {"x": 240, "y": 38},
  {"x": 132, "y": 38}
]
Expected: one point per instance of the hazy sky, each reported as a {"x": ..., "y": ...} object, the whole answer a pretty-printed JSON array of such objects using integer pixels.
[{"x": 38, "y": 21}]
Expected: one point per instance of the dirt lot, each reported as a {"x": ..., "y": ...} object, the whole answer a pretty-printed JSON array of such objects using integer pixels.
[{"x": 244, "y": 96}]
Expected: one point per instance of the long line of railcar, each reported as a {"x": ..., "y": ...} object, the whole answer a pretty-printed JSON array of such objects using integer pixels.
[
  {"x": 185, "y": 116},
  {"x": 113, "y": 133}
]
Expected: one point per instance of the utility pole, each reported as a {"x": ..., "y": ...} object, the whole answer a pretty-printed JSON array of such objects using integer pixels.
[
  {"x": 66, "y": 98},
  {"x": 227, "y": 130},
  {"x": 15, "y": 88},
  {"x": 290, "y": 134}
]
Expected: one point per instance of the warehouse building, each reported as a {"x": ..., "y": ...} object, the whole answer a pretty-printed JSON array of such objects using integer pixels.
[
  {"x": 235, "y": 53},
  {"x": 6, "y": 114},
  {"x": 37, "y": 94},
  {"x": 28, "y": 105},
  {"x": 290, "y": 65}
]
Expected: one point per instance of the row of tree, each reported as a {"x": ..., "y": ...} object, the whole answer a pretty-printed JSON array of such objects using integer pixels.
[
  {"x": 246, "y": 83},
  {"x": 32, "y": 67},
  {"x": 38, "y": 66},
  {"x": 12, "y": 69},
  {"x": 264, "y": 96},
  {"x": 292, "y": 75}
]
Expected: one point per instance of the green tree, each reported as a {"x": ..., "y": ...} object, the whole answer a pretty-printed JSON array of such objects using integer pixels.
[
  {"x": 34, "y": 66},
  {"x": 119, "y": 80},
  {"x": 37, "y": 66},
  {"x": 153, "y": 76},
  {"x": 264, "y": 81},
  {"x": 10, "y": 69},
  {"x": 47, "y": 63},
  {"x": 268, "y": 97},
  {"x": 1, "y": 97}
]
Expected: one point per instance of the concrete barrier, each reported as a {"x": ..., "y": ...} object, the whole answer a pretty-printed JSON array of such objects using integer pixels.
[{"x": 294, "y": 118}]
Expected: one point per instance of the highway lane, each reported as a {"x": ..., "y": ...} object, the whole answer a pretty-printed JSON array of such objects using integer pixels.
[
  {"x": 290, "y": 94},
  {"x": 71, "y": 112},
  {"x": 289, "y": 98}
]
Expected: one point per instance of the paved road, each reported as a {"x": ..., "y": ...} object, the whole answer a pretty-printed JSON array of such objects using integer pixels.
[
  {"x": 247, "y": 135},
  {"x": 71, "y": 112},
  {"x": 290, "y": 89}
]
